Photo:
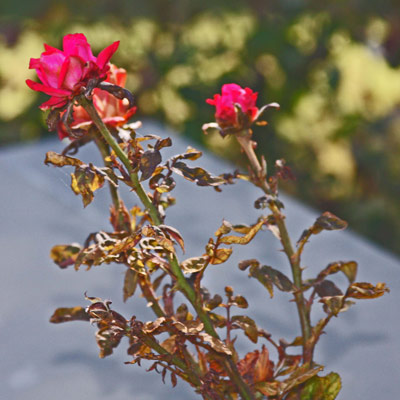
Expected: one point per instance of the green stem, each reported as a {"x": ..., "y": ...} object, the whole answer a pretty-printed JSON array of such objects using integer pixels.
[
  {"x": 89, "y": 107},
  {"x": 187, "y": 290},
  {"x": 260, "y": 180}
]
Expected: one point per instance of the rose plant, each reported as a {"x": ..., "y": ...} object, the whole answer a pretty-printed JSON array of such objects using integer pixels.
[{"x": 192, "y": 340}]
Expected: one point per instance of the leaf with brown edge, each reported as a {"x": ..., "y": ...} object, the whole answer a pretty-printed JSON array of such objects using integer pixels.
[
  {"x": 220, "y": 256},
  {"x": 65, "y": 254},
  {"x": 86, "y": 180},
  {"x": 318, "y": 388},
  {"x": 66, "y": 314},
  {"x": 161, "y": 143},
  {"x": 225, "y": 228},
  {"x": 175, "y": 234},
  {"x": 301, "y": 375},
  {"x": 243, "y": 239},
  {"x": 333, "y": 304},
  {"x": 216, "y": 344},
  {"x": 148, "y": 163},
  {"x": 212, "y": 303},
  {"x": 269, "y": 388},
  {"x": 329, "y": 222},
  {"x": 267, "y": 276},
  {"x": 59, "y": 160},
  {"x": 198, "y": 175},
  {"x": 239, "y": 301},
  {"x": 364, "y": 290},
  {"x": 349, "y": 268},
  {"x": 194, "y": 264},
  {"x": 247, "y": 324},
  {"x": 130, "y": 283},
  {"x": 243, "y": 265},
  {"x": 191, "y": 154}
]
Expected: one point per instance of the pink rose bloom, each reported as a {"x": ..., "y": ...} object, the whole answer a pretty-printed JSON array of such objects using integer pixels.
[
  {"x": 64, "y": 72},
  {"x": 113, "y": 112},
  {"x": 226, "y": 114}
]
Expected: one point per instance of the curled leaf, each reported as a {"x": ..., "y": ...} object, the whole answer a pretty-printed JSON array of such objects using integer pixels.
[
  {"x": 194, "y": 264},
  {"x": 364, "y": 290},
  {"x": 66, "y": 314},
  {"x": 243, "y": 239},
  {"x": 65, "y": 254},
  {"x": 220, "y": 256},
  {"x": 59, "y": 160}
]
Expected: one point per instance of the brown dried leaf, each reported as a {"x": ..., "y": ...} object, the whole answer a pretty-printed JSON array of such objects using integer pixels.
[
  {"x": 66, "y": 314},
  {"x": 244, "y": 239},
  {"x": 329, "y": 222},
  {"x": 59, "y": 160},
  {"x": 216, "y": 344},
  {"x": 84, "y": 181},
  {"x": 198, "y": 175},
  {"x": 243, "y": 265},
  {"x": 300, "y": 375},
  {"x": 148, "y": 163},
  {"x": 130, "y": 283},
  {"x": 65, "y": 254},
  {"x": 194, "y": 264},
  {"x": 349, "y": 268},
  {"x": 220, "y": 256},
  {"x": 364, "y": 290}
]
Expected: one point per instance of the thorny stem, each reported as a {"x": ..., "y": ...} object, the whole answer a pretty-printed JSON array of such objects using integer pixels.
[
  {"x": 183, "y": 284},
  {"x": 294, "y": 259},
  {"x": 89, "y": 107}
]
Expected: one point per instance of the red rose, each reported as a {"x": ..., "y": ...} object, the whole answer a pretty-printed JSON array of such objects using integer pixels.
[
  {"x": 113, "y": 112},
  {"x": 64, "y": 73},
  {"x": 226, "y": 114}
]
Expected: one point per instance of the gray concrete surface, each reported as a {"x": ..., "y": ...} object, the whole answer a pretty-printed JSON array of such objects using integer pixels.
[{"x": 41, "y": 361}]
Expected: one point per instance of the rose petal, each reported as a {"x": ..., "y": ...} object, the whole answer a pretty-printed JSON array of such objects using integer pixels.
[{"x": 105, "y": 55}]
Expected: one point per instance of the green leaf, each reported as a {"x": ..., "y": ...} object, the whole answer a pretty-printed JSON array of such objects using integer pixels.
[
  {"x": 66, "y": 314},
  {"x": 130, "y": 283},
  {"x": 318, "y": 388}
]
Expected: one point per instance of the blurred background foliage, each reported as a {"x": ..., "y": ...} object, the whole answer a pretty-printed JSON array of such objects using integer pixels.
[{"x": 333, "y": 66}]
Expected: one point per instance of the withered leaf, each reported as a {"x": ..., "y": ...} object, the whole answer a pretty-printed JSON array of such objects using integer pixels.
[
  {"x": 220, "y": 256},
  {"x": 65, "y": 254},
  {"x": 239, "y": 301},
  {"x": 148, "y": 163},
  {"x": 214, "y": 302},
  {"x": 170, "y": 344},
  {"x": 84, "y": 181},
  {"x": 66, "y": 314},
  {"x": 318, "y": 388},
  {"x": 329, "y": 222},
  {"x": 364, "y": 290},
  {"x": 243, "y": 239},
  {"x": 191, "y": 154},
  {"x": 167, "y": 142},
  {"x": 243, "y": 265},
  {"x": 225, "y": 228},
  {"x": 216, "y": 344},
  {"x": 59, "y": 160},
  {"x": 194, "y": 264},
  {"x": 269, "y": 388},
  {"x": 301, "y": 375},
  {"x": 198, "y": 175},
  {"x": 349, "y": 268},
  {"x": 327, "y": 288},
  {"x": 175, "y": 234},
  {"x": 130, "y": 283},
  {"x": 267, "y": 276},
  {"x": 333, "y": 304},
  {"x": 247, "y": 324}
]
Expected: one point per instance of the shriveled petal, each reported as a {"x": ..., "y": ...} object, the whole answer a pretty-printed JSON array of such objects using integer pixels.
[
  {"x": 105, "y": 55},
  {"x": 77, "y": 45}
]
